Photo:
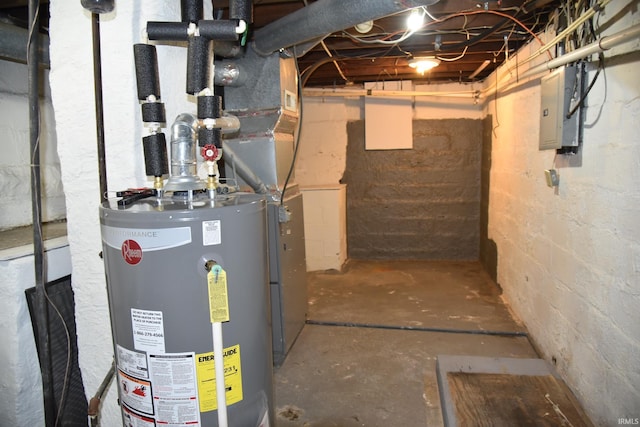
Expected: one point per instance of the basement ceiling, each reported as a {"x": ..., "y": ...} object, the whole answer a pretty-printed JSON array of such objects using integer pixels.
[{"x": 464, "y": 35}]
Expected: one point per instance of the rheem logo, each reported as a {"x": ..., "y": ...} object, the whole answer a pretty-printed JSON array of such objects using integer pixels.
[{"x": 131, "y": 252}]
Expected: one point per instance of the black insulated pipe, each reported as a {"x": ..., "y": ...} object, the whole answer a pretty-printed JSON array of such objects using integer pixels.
[
  {"x": 219, "y": 30},
  {"x": 209, "y": 107},
  {"x": 325, "y": 17},
  {"x": 168, "y": 31},
  {"x": 42, "y": 311},
  {"x": 207, "y": 136},
  {"x": 147, "y": 76},
  {"x": 191, "y": 11},
  {"x": 199, "y": 54},
  {"x": 155, "y": 154},
  {"x": 153, "y": 112},
  {"x": 241, "y": 9}
]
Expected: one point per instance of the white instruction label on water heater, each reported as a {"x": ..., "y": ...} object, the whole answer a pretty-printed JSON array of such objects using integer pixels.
[
  {"x": 132, "y": 419},
  {"x": 211, "y": 233},
  {"x": 132, "y": 362},
  {"x": 148, "y": 330},
  {"x": 175, "y": 395}
]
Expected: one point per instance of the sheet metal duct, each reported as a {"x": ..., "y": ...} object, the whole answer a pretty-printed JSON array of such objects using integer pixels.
[{"x": 325, "y": 17}]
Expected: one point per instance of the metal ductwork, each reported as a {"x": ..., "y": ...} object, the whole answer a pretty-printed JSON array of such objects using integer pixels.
[{"x": 325, "y": 17}]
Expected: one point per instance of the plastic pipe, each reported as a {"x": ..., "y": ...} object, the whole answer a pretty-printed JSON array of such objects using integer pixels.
[
  {"x": 571, "y": 28},
  {"x": 604, "y": 43},
  {"x": 218, "y": 354}
]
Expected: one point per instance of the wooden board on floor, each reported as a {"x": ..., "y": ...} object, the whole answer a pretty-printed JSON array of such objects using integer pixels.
[{"x": 505, "y": 392}]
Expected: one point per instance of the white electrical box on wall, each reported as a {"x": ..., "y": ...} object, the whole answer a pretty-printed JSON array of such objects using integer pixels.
[{"x": 558, "y": 90}]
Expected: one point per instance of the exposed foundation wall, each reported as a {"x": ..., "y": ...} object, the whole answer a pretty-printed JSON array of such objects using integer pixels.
[
  {"x": 421, "y": 203},
  {"x": 568, "y": 258},
  {"x": 322, "y": 162}
]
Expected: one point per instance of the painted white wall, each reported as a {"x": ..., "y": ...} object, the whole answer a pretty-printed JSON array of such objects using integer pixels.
[
  {"x": 569, "y": 259},
  {"x": 20, "y": 379},
  {"x": 71, "y": 80},
  {"x": 325, "y": 226},
  {"x": 322, "y": 154},
  {"x": 15, "y": 203}
]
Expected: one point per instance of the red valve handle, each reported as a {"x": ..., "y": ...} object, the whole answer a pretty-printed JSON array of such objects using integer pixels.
[{"x": 209, "y": 152}]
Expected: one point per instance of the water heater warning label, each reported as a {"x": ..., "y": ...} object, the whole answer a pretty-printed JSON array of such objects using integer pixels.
[
  {"x": 131, "y": 419},
  {"x": 148, "y": 330},
  {"x": 211, "y": 233},
  {"x": 135, "y": 393},
  {"x": 175, "y": 397},
  {"x": 206, "y": 370}
]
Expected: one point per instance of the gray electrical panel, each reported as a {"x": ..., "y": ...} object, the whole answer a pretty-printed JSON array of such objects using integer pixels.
[{"x": 558, "y": 90}]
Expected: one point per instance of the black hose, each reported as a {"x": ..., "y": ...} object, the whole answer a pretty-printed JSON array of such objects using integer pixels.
[
  {"x": 97, "y": 88},
  {"x": 420, "y": 329},
  {"x": 41, "y": 312}
]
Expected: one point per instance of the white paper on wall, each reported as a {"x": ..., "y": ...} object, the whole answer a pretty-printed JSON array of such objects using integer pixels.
[{"x": 388, "y": 120}]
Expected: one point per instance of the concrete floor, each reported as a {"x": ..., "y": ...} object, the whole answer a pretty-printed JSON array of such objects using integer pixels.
[{"x": 368, "y": 358}]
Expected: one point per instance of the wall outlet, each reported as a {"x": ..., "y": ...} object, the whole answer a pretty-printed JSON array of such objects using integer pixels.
[{"x": 552, "y": 177}]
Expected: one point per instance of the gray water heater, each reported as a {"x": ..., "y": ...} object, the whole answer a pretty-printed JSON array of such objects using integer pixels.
[{"x": 158, "y": 254}]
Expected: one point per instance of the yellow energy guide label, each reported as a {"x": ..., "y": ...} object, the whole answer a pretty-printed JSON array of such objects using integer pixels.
[{"x": 206, "y": 372}]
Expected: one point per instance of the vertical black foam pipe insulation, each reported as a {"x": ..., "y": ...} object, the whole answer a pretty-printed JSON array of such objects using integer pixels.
[
  {"x": 241, "y": 9},
  {"x": 209, "y": 107},
  {"x": 147, "y": 76},
  {"x": 155, "y": 155},
  {"x": 191, "y": 10},
  {"x": 199, "y": 55},
  {"x": 42, "y": 314}
]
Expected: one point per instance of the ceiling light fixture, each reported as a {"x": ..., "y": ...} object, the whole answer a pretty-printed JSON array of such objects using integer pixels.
[
  {"x": 424, "y": 63},
  {"x": 415, "y": 19},
  {"x": 364, "y": 27}
]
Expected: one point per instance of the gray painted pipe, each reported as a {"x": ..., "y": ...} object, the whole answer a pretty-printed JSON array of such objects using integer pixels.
[
  {"x": 325, "y": 17},
  {"x": 13, "y": 44},
  {"x": 243, "y": 170}
]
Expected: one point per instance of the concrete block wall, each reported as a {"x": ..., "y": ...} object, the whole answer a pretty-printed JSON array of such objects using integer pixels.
[
  {"x": 422, "y": 203},
  {"x": 15, "y": 172},
  {"x": 568, "y": 259}
]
